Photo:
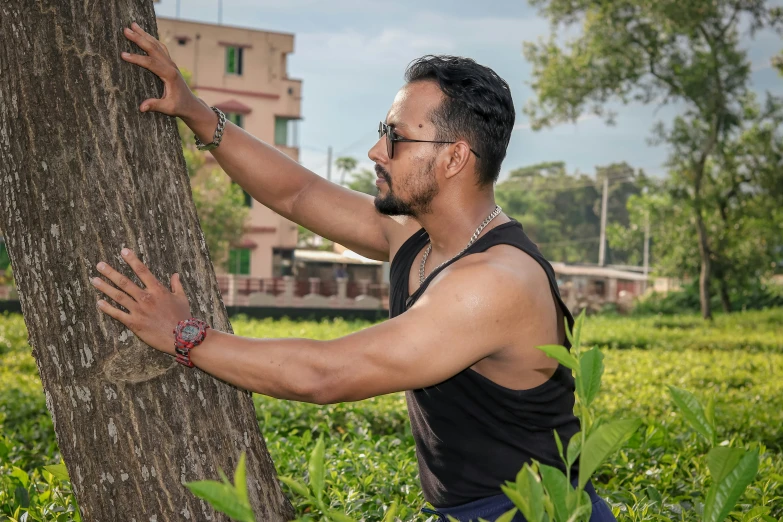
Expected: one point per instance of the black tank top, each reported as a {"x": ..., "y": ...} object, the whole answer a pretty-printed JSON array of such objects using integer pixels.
[{"x": 472, "y": 434}]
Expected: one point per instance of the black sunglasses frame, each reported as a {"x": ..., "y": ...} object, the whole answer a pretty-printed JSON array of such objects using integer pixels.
[{"x": 392, "y": 137}]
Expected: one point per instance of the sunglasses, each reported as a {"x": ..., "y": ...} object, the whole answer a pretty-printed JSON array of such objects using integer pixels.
[{"x": 392, "y": 137}]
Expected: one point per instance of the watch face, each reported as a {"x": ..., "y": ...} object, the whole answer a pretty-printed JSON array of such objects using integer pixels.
[{"x": 189, "y": 333}]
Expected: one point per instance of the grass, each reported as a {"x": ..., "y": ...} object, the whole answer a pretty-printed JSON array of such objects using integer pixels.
[{"x": 370, "y": 459}]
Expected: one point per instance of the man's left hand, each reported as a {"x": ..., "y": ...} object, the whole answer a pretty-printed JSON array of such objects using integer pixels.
[{"x": 153, "y": 311}]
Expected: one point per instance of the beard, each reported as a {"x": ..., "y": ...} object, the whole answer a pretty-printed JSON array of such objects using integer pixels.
[{"x": 421, "y": 185}]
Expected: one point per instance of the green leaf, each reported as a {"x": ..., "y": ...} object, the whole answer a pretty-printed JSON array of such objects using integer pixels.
[
  {"x": 240, "y": 479},
  {"x": 222, "y": 497},
  {"x": 721, "y": 460},
  {"x": 603, "y": 442},
  {"x": 298, "y": 487},
  {"x": 317, "y": 469},
  {"x": 223, "y": 477},
  {"x": 561, "y": 354},
  {"x": 517, "y": 498},
  {"x": 339, "y": 517},
  {"x": 59, "y": 471},
  {"x": 559, "y": 445},
  {"x": 578, "y": 324},
  {"x": 693, "y": 413},
  {"x": 5, "y": 447},
  {"x": 582, "y": 513},
  {"x": 709, "y": 412},
  {"x": 574, "y": 448},
  {"x": 531, "y": 493},
  {"x": 723, "y": 495},
  {"x": 391, "y": 512},
  {"x": 569, "y": 335},
  {"x": 507, "y": 516},
  {"x": 756, "y": 512},
  {"x": 20, "y": 474},
  {"x": 591, "y": 365},
  {"x": 22, "y": 497},
  {"x": 556, "y": 484}
]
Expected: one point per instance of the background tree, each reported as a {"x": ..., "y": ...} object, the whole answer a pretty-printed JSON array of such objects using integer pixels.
[
  {"x": 668, "y": 51},
  {"x": 743, "y": 202},
  {"x": 222, "y": 213},
  {"x": 221, "y": 205},
  {"x": 561, "y": 211},
  {"x": 364, "y": 181},
  {"x": 345, "y": 165},
  {"x": 82, "y": 174}
]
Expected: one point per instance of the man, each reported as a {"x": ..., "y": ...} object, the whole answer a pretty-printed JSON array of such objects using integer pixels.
[{"x": 471, "y": 296}]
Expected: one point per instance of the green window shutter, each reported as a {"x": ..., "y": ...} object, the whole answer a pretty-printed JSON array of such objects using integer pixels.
[
  {"x": 281, "y": 131},
  {"x": 231, "y": 60},
  {"x": 239, "y": 261},
  {"x": 235, "y": 118}
]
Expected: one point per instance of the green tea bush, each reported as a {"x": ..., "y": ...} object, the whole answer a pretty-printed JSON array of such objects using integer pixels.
[
  {"x": 369, "y": 456},
  {"x": 756, "y": 295}
]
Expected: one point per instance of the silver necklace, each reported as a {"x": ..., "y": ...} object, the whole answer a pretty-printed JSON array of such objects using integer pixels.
[{"x": 475, "y": 236}]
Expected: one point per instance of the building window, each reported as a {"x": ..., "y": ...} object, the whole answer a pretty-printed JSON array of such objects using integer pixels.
[
  {"x": 236, "y": 118},
  {"x": 286, "y": 132},
  {"x": 239, "y": 261},
  {"x": 234, "y": 60},
  {"x": 282, "y": 262}
]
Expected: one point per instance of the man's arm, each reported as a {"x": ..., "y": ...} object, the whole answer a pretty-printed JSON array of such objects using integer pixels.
[
  {"x": 271, "y": 177},
  {"x": 469, "y": 315}
]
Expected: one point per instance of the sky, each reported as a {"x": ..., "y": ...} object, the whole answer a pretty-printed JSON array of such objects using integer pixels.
[{"x": 352, "y": 55}]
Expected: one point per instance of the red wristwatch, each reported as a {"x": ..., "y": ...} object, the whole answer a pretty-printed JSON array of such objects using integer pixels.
[{"x": 188, "y": 334}]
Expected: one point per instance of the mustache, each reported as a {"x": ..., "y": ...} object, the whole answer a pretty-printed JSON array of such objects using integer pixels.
[{"x": 381, "y": 172}]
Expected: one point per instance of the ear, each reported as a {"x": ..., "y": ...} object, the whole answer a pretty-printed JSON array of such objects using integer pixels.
[{"x": 457, "y": 159}]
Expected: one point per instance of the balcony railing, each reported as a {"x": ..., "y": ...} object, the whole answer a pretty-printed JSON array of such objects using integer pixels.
[{"x": 238, "y": 290}]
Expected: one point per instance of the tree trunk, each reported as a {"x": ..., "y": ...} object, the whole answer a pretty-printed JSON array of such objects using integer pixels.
[
  {"x": 82, "y": 174},
  {"x": 725, "y": 300},
  {"x": 706, "y": 265}
]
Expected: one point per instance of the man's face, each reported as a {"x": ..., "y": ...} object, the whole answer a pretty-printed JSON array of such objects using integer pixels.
[{"x": 408, "y": 180}]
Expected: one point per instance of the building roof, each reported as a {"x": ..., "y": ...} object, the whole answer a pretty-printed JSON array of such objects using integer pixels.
[
  {"x": 227, "y": 26},
  {"x": 323, "y": 256},
  {"x": 235, "y": 106},
  {"x": 596, "y": 271}
]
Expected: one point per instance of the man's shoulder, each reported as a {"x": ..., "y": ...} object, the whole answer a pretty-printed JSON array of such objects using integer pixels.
[
  {"x": 504, "y": 264},
  {"x": 507, "y": 274}
]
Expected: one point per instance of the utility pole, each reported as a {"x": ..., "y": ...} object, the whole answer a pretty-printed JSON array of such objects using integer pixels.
[
  {"x": 220, "y": 12},
  {"x": 646, "y": 247},
  {"x": 329, "y": 164},
  {"x": 604, "y": 200},
  {"x": 178, "y": 2}
]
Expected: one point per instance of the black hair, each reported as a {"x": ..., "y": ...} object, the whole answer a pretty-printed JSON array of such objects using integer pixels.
[{"x": 477, "y": 108}]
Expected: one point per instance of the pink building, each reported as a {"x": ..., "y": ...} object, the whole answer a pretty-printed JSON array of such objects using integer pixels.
[{"x": 243, "y": 72}]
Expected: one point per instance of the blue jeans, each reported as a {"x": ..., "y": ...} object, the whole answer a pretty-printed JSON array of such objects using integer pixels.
[{"x": 491, "y": 508}]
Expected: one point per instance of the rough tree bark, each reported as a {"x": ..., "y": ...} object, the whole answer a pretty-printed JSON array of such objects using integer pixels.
[{"x": 83, "y": 174}]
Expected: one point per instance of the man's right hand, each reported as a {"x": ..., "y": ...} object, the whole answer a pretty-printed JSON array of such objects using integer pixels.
[{"x": 177, "y": 99}]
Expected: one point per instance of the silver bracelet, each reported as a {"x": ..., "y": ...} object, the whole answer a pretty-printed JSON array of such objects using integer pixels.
[{"x": 218, "y": 132}]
